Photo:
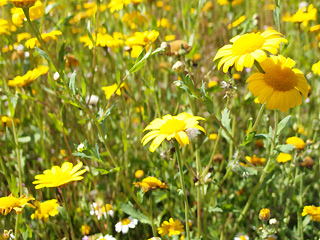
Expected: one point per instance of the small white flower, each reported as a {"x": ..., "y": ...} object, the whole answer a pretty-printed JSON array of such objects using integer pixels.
[
  {"x": 192, "y": 133},
  {"x": 241, "y": 236},
  {"x": 106, "y": 237},
  {"x": 273, "y": 221},
  {"x": 56, "y": 76},
  {"x": 81, "y": 147},
  {"x": 93, "y": 100},
  {"x": 100, "y": 211},
  {"x": 126, "y": 223}
]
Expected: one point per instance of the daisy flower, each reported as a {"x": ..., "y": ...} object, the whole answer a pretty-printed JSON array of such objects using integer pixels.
[
  {"x": 171, "y": 227},
  {"x": 106, "y": 237},
  {"x": 126, "y": 223},
  {"x": 248, "y": 48},
  {"x": 169, "y": 127},
  {"x": 281, "y": 86},
  {"x": 313, "y": 211},
  {"x": 7, "y": 204},
  {"x": 99, "y": 211},
  {"x": 57, "y": 176},
  {"x": 150, "y": 183},
  {"x": 46, "y": 209}
]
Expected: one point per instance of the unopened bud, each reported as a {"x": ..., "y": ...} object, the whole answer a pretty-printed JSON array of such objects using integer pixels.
[{"x": 178, "y": 67}]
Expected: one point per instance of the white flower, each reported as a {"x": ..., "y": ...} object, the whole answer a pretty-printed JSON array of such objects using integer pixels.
[
  {"x": 100, "y": 211},
  {"x": 56, "y": 76},
  {"x": 81, "y": 147},
  {"x": 273, "y": 221},
  {"x": 93, "y": 100},
  {"x": 106, "y": 237},
  {"x": 126, "y": 223},
  {"x": 192, "y": 133},
  {"x": 241, "y": 236}
]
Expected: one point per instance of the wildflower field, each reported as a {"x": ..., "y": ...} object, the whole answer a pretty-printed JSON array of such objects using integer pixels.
[{"x": 159, "y": 119}]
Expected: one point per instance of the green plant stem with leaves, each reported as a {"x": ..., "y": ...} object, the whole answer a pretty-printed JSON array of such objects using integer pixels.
[
  {"x": 186, "y": 204},
  {"x": 65, "y": 201},
  {"x": 263, "y": 176}
]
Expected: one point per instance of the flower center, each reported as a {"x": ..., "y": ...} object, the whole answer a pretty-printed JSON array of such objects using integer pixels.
[
  {"x": 243, "y": 238},
  {"x": 172, "y": 126},
  {"x": 9, "y": 202},
  {"x": 247, "y": 44},
  {"x": 125, "y": 221},
  {"x": 281, "y": 78}
]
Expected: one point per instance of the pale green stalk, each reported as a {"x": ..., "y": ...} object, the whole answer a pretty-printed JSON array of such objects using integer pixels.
[{"x": 186, "y": 205}]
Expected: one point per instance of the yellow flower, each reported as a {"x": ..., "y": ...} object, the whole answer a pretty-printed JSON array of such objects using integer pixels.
[
  {"x": 142, "y": 38},
  {"x": 237, "y": 22},
  {"x": 110, "y": 90},
  {"x": 116, "y": 5},
  {"x": 256, "y": 160},
  {"x": 85, "y": 229},
  {"x": 134, "y": 18},
  {"x": 104, "y": 40},
  {"x": 150, "y": 183},
  {"x": 233, "y": 2},
  {"x": 297, "y": 142},
  {"x": 7, "y": 121},
  {"x": 313, "y": 212},
  {"x": 248, "y": 48},
  {"x": 213, "y": 136},
  {"x": 3, "y": 2},
  {"x": 169, "y": 127},
  {"x": 139, "y": 173},
  {"x": 280, "y": 86},
  {"x": 212, "y": 84},
  {"x": 6, "y": 27},
  {"x": 23, "y": 3},
  {"x": 32, "y": 42},
  {"x": 22, "y": 36},
  {"x": 173, "y": 227},
  {"x": 264, "y": 214},
  {"x": 29, "y": 77},
  {"x": 46, "y": 209},
  {"x": 169, "y": 38},
  {"x": 57, "y": 176},
  {"x": 208, "y": 6},
  {"x": 7, "y": 204},
  {"x": 315, "y": 28},
  {"x": 164, "y": 23},
  {"x": 303, "y": 15},
  {"x": 316, "y": 68},
  {"x": 284, "y": 157},
  {"x": 35, "y": 12}
]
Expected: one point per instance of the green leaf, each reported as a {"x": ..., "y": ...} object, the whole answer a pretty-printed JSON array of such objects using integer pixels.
[
  {"x": 130, "y": 210},
  {"x": 61, "y": 60},
  {"x": 139, "y": 64},
  {"x": 104, "y": 171},
  {"x": 282, "y": 124},
  {"x": 25, "y": 139},
  {"x": 286, "y": 148},
  {"x": 248, "y": 138},
  {"x": 276, "y": 14},
  {"x": 225, "y": 120},
  {"x": 42, "y": 53},
  {"x": 83, "y": 87},
  {"x": 72, "y": 81},
  {"x": 63, "y": 212}
]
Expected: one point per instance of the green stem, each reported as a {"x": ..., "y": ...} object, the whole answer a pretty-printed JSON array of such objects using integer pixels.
[
  {"x": 258, "y": 66},
  {"x": 186, "y": 205},
  {"x": 68, "y": 212},
  {"x": 154, "y": 230},
  {"x": 256, "y": 123},
  {"x": 18, "y": 155},
  {"x": 263, "y": 176},
  {"x": 16, "y": 229},
  {"x": 198, "y": 167}
]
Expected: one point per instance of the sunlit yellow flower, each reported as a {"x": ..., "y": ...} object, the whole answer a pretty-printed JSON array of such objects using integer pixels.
[
  {"x": 140, "y": 39},
  {"x": 35, "y": 12},
  {"x": 303, "y": 15},
  {"x": 237, "y": 22},
  {"x": 207, "y": 6},
  {"x": 171, "y": 127},
  {"x": 104, "y": 40},
  {"x": 169, "y": 38},
  {"x": 264, "y": 214},
  {"x": 116, "y": 5},
  {"x": 134, "y": 18},
  {"x": 233, "y": 2},
  {"x": 315, "y": 28},
  {"x": 85, "y": 229},
  {"x": 139, "y": 173},
  {"x": 164, "y": 23},
  {"x": 32, "y": 42},
  {"x": 284, "y": 157},
  {"x": 256, "y": 160},
  {"x": 316, "y": 68},
  {"x": 297, "y": 142},
  {"x": 150, "y": 183},
  {"x": 23, "y": 3},
  {"x": 212, "y": 83},
  {"x": 3, "y": 2},
  {"x": 171, "y": 227},
  {"x": 7, "y": 121},
  {"x": 23, "y": 36},
  {"x": 7, "y": 204},
  {"x": 110, "y": 90},
  {"x": 213, "y": 136},
  {"x": 6, "y": 27},
  {"x": 281, "y": 86},
  {"x": 29, "y": 77},
  {"x": 57, "y": 176},
  {"x": 313, "y": 212},
  {"x": 248, "y": 48},
  {"x": 46, "y": 209}
]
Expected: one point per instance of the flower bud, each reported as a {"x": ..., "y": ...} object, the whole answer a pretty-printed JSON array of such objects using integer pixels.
[{"x": 178, "y": 67}]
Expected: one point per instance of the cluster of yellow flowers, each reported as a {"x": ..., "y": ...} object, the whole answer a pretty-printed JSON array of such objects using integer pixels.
[
  {"x": 303, "y": 15},
  {"x": 32, "y": 42},
  {"x": 313, "y": 212},
  {"x": 104, "y": 40},
  {"x": 29, "y": 77}
]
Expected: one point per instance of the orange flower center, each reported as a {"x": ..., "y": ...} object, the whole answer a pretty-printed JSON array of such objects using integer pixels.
[
  {"x": 281, "y": 78},
  {"x": 172, "y": 126},
  {"x": 125, "y": 221},
  {"x": 247, "y": 44}
]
